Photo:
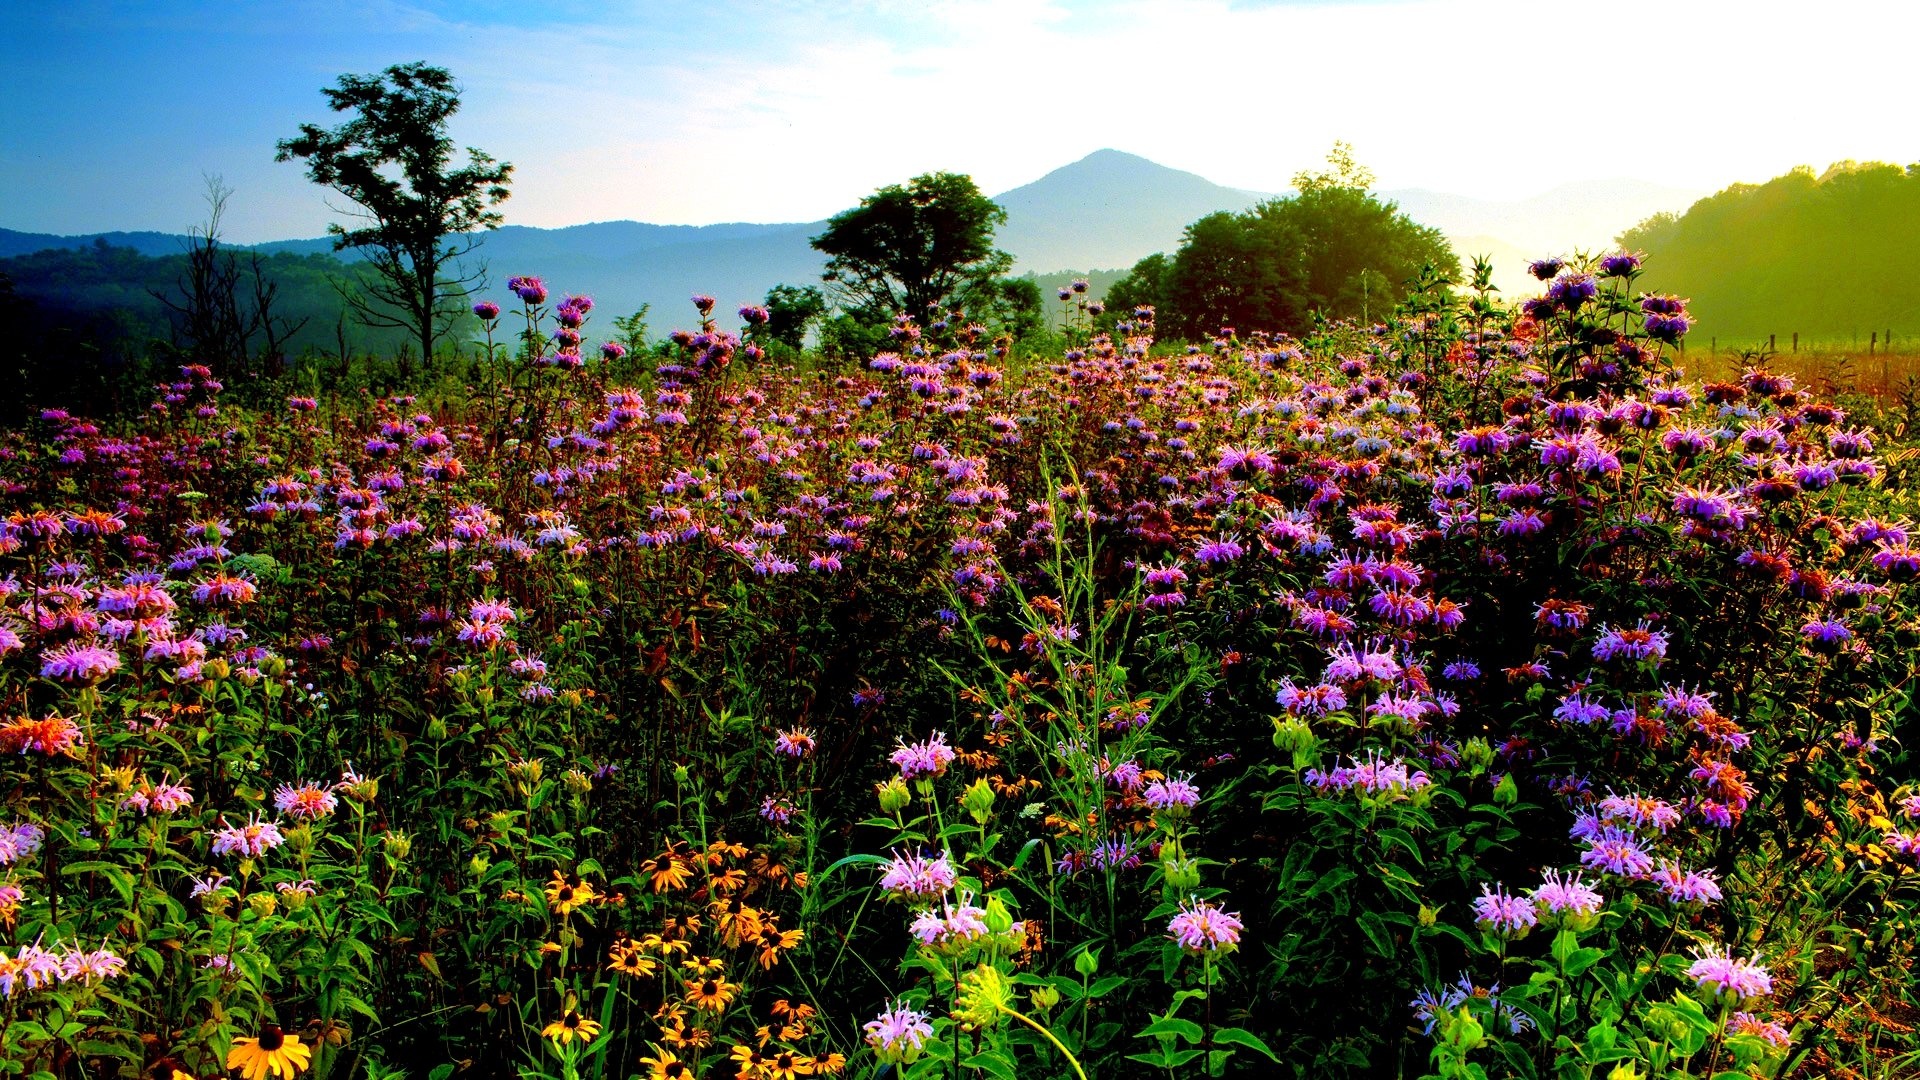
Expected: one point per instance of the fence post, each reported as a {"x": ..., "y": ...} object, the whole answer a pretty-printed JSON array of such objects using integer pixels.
[
  {"x": 1772, "y": 346},
  {"x": 1873, "y": 343},
  {"x": 1796, "y": 341}
]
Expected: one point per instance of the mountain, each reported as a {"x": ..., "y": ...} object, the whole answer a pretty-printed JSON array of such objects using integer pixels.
[
  {"x": 1109, "y": 209},
  {"x": 1105, "y": 211}
]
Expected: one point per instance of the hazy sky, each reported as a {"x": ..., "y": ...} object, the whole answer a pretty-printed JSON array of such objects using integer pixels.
[{"x": 792, "y": 110}]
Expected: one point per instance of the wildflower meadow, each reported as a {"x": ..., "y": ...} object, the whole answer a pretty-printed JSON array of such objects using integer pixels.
[{"x": 1473, "y": 693}]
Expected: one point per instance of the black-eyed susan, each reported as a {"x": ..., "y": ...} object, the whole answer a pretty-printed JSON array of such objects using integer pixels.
[
  {"x": 563, "y": 896},
  {"x": 679, "y": 927},
  {"x": 694, "y": 1038},
  {"x": 703, "y": 966},
  {"x": 732, "y": 879},
  {"x": 666, "y": 1065},
  {"x": 629, "y": 958},
  {"x": 711, "y": 994},
  {"x": 665, "y": 946},
  {"x": 721, "y": 850},
  {"x": 668, "y": 872},
  {"x": 571, "y": 1027},
  {"x": 273, "y": 1051},
  {"x": 786, "y": 1065},
  {"x": 748, "y": 1061},
  {"x": 773, "y": 941},
  {"x": 830, "y": 1064},
  {"x": 738, "y": 921}
]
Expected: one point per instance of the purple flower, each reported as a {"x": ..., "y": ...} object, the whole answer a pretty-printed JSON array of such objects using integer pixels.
[
  {"x": 1826, "y": 635},
  {"x": 1499, "y": 913},
  {"x": 929, "y": 758},
  {"x": 250, "y": 841},
  {"x": 1686, "y": 886},
  {"x": 1617, "y": 851},
  {"x": 77, "y": 663},
  {"x": 17, "y": 842},
  {"x": 1739, "y": 981},
  {"x": 1201, "y": 927},
  {"x": 1219, "y": 551},
  {"x": 487, "y": 310},
  {"x": 1176, "y": 794},
  {"x": 1620, "y": 265},
  {"x": 1632, "y": 646},
  {"x": 917, "y": 876},
  {"x": 898, "y": 1034},
  {"x": 1566, "y": 897}
]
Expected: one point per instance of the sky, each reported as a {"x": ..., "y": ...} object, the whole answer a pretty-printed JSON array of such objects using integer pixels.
[{"x": 792, "y": 110}]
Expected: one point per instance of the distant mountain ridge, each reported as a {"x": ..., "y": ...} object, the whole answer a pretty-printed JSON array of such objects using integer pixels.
[{"x": 1104, "y": 211}]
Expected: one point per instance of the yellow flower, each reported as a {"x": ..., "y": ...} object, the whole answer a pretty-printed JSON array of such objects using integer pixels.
[
  {"x": 747, "y": 1061},
  {"x": 786, "y": 1065},
  {"x": 273, "y": 1051},
  {"x": 666, "y": 1066},
  {"x": 710, "y": 994},
  {"x": 702, "y": 966},
  {"x": 668, "y": 872},
  {"x": 563, "y": 895},
  {"x": 627, "y": 958},
  {"x": 570, "y": 1027}
]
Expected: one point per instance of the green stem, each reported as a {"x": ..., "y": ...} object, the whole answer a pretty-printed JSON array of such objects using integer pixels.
[{"x": 1057, "y": 1045}]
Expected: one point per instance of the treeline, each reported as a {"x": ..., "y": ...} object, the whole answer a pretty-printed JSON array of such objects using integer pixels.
[
  {"x": 1827, "y": 256},
  {"x": 96, "y": 326}
]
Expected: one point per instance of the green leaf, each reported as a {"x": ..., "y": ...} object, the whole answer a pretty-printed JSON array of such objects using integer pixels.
[
  {"x": 994, "y": 1063},
  {"x": 1234, "y": 1036},
  {"x": 1172, "y": 1026}
]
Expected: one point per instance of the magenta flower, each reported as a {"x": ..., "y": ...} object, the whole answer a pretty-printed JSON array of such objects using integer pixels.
[
  {"x": 1172, "y": 793},
  {"x": 929, "y": 758},
  {"x": 898, "y": 1034},
  {"x": 916, "y": 876},
  {"x": 1201, "y": 927},
  {"x": 1686, "y": 886},
  {"x": 1499, "y": 913},
  {"x": 250, "y": 841},
  {"x": 1738, "y": 981},
  {"x": 1566, "y": 897},
  {"x": 78, "y": 663}
]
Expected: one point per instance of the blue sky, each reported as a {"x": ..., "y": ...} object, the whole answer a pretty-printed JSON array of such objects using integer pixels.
[{"x": 793, "y": 109}]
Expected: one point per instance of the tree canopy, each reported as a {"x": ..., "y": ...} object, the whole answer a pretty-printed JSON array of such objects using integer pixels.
[
  {"x": 1826, "y": 255},
  {"x": 1333, "y": 249},
  {"x": 908, "y": 249},
  {"x": 404, "y": 221}
]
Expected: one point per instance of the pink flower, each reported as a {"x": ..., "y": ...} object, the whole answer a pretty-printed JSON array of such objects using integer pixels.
[{"x": 1201, "y": 927}]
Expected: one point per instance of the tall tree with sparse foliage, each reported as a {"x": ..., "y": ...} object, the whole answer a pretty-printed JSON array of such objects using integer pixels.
[{"x": 405, "y": 222}]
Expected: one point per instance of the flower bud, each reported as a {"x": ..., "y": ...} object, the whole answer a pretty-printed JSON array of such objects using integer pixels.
[
  {"x": 1506, "y": 792},
  {"x": 894, "y": 796},
  {"x": 263, "y": 903},
  {"x": 998, "y": 919},
  {"x": 978, "y": 801},
  {"x": 1044, "y": 998}
]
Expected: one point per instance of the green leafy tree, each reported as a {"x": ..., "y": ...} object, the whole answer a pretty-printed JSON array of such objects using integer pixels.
[
  {"x": 1145, "y": 285},
  {"x": 790, "y": 310},
  {"x": 909, "y": 249},
  {"x": 394, "y": 160},
  {"x": 1826, "y": 255},
  {"x": 1333, "y": 249}
]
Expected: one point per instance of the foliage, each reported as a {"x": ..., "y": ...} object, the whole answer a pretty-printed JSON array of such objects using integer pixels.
[
  {"x": 404, "y": 221},
  {"x": 1472, "y": 693},
  {"x": 912, "y": 249},
  {"x": 791, "y": 310},
  {"x": 1822, "y": 255}
]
